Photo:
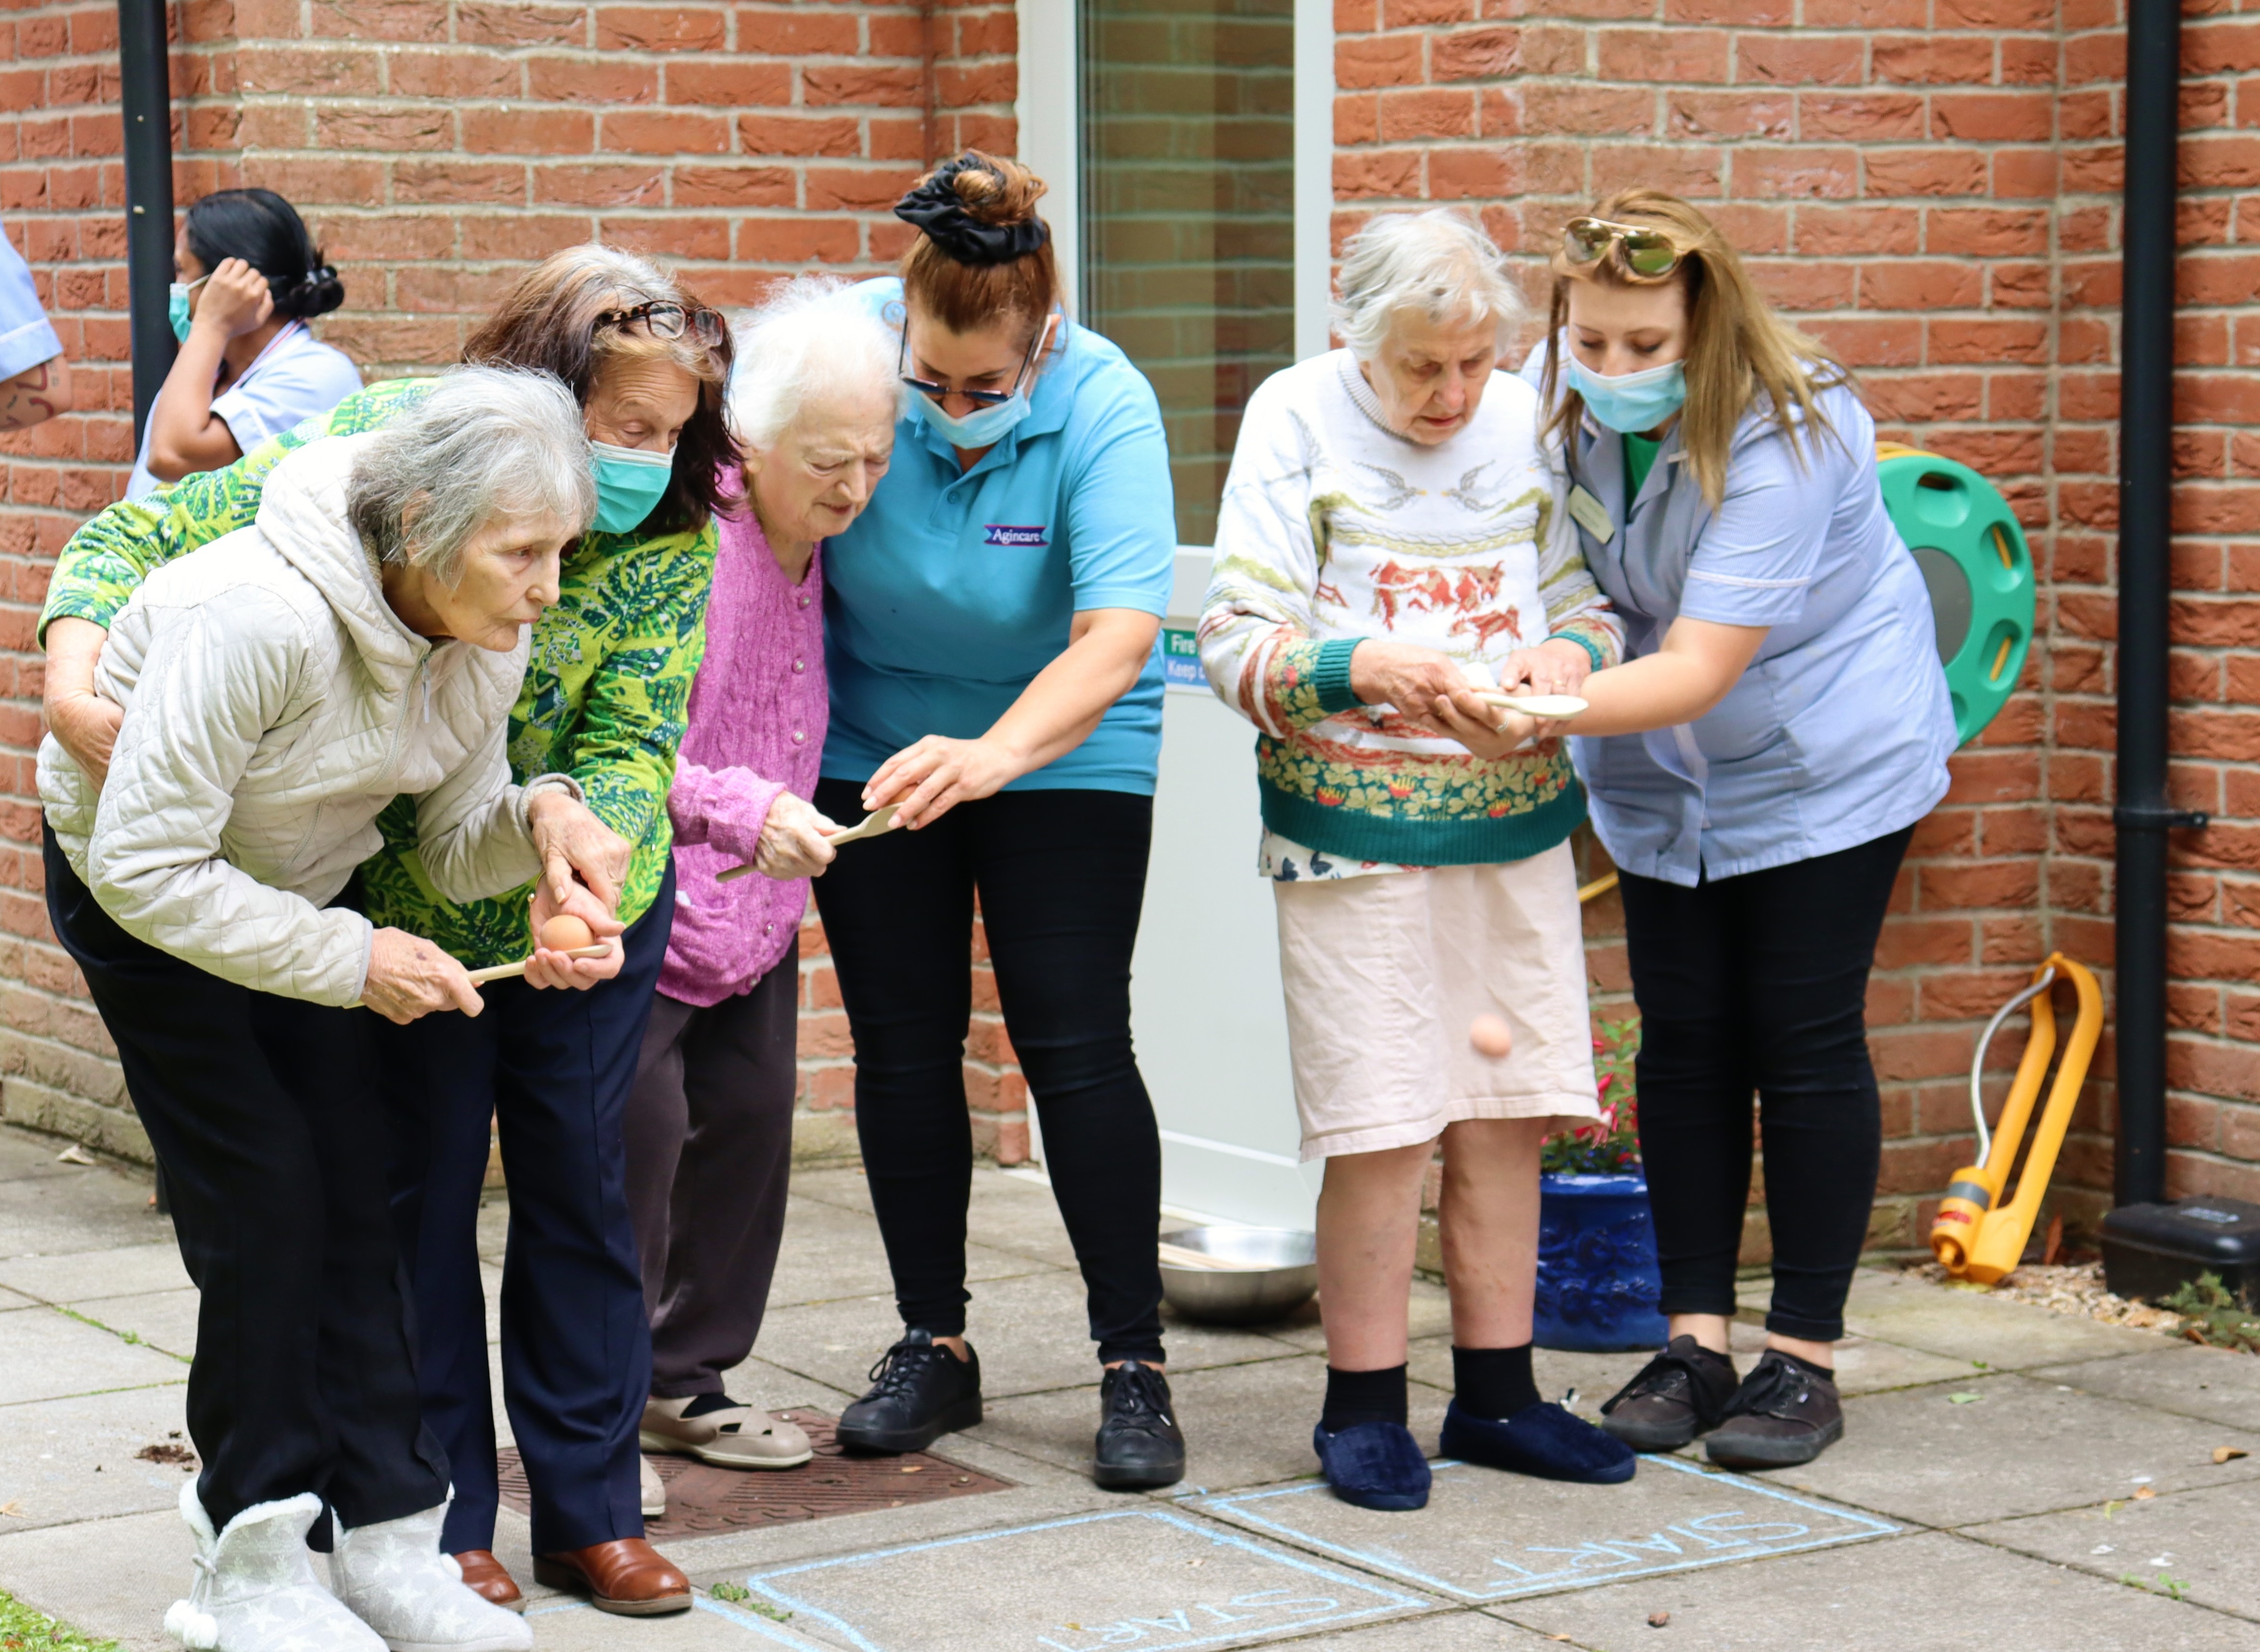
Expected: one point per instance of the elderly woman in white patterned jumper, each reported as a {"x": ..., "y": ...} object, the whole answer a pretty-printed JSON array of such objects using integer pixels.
[{"x": 1392, "y": 533}]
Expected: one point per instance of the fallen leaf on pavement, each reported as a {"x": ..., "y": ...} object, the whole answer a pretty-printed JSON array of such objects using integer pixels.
[
  {"x": 14, "y": 1511},
  {"x": 2228, "y": 1454},
  {"x": 1964, "y": 1399},
  {"x": 2143, "y": 1493},
  {"x": 76, "y": 1155},
  {"x": 1657, "y": 1620}
]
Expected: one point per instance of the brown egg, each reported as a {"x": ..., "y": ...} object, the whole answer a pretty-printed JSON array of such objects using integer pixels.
[
  {"x": 566, "y": 933},
  {"x": 1490, "y": 1037}
]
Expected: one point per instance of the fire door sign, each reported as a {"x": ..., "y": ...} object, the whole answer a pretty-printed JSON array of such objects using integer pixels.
[{"x": 1181, "y": 666}]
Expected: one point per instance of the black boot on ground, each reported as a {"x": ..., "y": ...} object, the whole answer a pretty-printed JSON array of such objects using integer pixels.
[
  {"x": 1786, "y": 1413},
  {"x": 920, "y": 1391},
  {"x": 1139, "y": 1444},
  {"x": 1680, "y": 1393}
]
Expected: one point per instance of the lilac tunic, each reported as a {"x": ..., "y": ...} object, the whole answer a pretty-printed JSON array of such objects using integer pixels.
[{"x": 758, "y": 711}]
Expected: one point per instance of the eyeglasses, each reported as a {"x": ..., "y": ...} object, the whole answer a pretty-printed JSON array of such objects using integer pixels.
[
  {"x": 979, "y": 398},
  {"x": 1644, "y": 253},
  {"x": 666, "y": 319}
]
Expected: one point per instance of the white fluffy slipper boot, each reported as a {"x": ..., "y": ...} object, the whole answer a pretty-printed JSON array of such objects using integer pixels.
[
  {"x": 255, "y": 1589},
  {"x": 397, "y": 1580}
]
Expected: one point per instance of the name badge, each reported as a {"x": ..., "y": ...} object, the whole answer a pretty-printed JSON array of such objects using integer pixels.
[{"x": 1590, "y": 515}]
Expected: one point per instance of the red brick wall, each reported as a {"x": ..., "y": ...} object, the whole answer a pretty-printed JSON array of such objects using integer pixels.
[{"x": 436, "y": 147}]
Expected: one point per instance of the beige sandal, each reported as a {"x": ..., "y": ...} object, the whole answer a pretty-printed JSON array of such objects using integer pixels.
[{"x": 739, "y": 1437}]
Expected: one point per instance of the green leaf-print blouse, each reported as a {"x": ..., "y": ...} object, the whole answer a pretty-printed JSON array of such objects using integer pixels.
[{"x": 607, "y": 688}]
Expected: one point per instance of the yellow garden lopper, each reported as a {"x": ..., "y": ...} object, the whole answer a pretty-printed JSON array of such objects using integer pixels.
[{"x": 1975, "y": 1235}]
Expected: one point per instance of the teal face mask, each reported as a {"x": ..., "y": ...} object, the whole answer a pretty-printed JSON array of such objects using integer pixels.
[
  {"x": 1630, "y": 402},
  {"x": 629, "y": 482},
  {"x": 176, "y": 305}
]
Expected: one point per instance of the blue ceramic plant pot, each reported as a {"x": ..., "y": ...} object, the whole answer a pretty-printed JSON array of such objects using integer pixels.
[{"x": 1598, "y": 1283}]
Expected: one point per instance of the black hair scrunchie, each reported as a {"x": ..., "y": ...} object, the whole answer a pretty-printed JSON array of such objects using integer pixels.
[{"x": 935, "y": 207}]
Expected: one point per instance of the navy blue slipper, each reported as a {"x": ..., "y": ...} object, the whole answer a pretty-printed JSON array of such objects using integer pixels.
[
  {"x": 1376, "y": 1465},
  {"x": 1541, "y": 1440}
]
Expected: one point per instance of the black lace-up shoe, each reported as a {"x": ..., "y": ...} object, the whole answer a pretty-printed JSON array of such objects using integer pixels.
[
  {"x": 920, "y": 1391},
  {"x": 1139, "y": 1442},
  {"x": 1782, "y": 1415},
  {"x": 1680, "y": 1393}
]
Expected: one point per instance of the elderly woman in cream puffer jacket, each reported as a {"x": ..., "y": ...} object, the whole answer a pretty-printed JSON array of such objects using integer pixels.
[{"x": 364, "y": 639}]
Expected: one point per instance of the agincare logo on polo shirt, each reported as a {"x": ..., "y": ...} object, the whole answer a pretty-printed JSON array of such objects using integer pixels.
[{"x": 1007, "y": 533}]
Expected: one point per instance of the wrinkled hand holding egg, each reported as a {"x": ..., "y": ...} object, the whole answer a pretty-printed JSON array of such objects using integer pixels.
[{"x": 1490, "y": 1036}]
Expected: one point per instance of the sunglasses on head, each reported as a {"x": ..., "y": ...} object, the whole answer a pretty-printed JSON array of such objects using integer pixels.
[
  {"x": 665, "y": 320},
  {"x": 979, "y": 398},
  {"x": 1644, "y": 253}
]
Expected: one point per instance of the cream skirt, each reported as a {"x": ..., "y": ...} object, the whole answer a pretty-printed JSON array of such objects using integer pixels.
[{"x": 1384, "y": 973}]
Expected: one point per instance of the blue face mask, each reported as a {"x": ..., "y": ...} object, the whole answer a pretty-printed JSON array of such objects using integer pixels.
[
  {"x": 629, "y": 482},
  {"x": 982, "y": 427},
  {"x": 1630, "y": 402},
  {"x": 176, "y": 308}
]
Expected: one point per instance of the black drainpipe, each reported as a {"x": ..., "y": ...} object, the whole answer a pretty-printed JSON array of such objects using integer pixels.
[
  {"x": 145, "y": 100},
  {"x": 2146, "y": 425}
]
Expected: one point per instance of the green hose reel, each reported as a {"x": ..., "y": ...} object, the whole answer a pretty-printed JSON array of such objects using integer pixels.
[{"x": 1980, "y": 571}]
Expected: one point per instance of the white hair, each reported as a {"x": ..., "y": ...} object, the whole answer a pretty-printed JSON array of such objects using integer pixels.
[
  {"x": 1438, "y": 264},
  {"x": 807, "y": 335},
  {"x": 484, "y": 442}
]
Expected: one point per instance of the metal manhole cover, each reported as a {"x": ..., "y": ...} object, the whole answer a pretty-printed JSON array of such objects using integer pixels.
[{"x": 701, "y": 1498}]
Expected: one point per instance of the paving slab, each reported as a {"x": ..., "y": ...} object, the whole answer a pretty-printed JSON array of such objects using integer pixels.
[
  {"x": 112, "y": 1579},
  {"x": 163, "y": 1320},
  {"x": 830, "y": 1252},
  {"x": 11, "y": 1300},
  {"x": 763, "y": 1382},
  {"x": 1974, "y": 1325},
  {"x": 1245, "y": 1425},
  {"x": 49, "y": 1354},
  {"x": 1031, "y": 1332},
  {"x": 1144, "y": 1577},
  {"x": 710, "y": 1626},
  {"x": 1460, "y": 1631},
  {"x": 1005, "y": 1212},
  {"x": 2215, "y": 1384},
  {"x": 87, "y": 1275},
  {"x": 87, "y": 1208},
  {"x": 63, "y": 1460},
  {"x": 1925, "y": 1592},
  {"x": 1488, "y": 1536},
  {"x": 26, "y": 1154},
  {"x": 2021, "y": 1446},
  {"x": 2202, "y": 1541}
]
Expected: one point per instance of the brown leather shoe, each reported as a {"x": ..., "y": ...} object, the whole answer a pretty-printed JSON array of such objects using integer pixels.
[
  {"x": 626, "y": 1576},
  {"x": 489, "y": 1579}
]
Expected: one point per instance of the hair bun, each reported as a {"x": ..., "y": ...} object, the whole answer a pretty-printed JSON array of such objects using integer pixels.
[
  {"x": 978, "y": 209},
  {"x": 318, "y": 292}
]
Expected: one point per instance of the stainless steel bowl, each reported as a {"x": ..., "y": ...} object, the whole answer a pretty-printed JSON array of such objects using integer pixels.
[{"x": 1275, "y": 1272}]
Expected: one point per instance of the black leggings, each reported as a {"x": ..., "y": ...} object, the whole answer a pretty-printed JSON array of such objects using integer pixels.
[
  {"x": 1760, "y": 983},
  {"x": 1061, "y": 876}
]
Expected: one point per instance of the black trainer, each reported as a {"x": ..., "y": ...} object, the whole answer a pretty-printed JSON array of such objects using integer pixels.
[
  {"x": 920, "y": 1391},
  {"x": 1139, "y": 1442},
  {"x": 1680, "y": 1393},
  {"x": 1782, "y": 1415}
]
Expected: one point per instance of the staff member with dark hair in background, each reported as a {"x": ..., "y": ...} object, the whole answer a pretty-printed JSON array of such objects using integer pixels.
[
  {"x": 249, "y": 278},
  {"x": 990, "y": 627}
]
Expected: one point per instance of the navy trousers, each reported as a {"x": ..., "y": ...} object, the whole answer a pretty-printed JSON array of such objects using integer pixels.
[{"x": 553, "y": 1069}]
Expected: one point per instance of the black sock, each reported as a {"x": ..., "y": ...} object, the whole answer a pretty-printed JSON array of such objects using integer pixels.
[
  {"x": 1492, "y": 1383},
  {"x": 706, "y": 1403},
  {"x": 1826, "y": 1372},
  {"x": 1356, "y": 1397}
]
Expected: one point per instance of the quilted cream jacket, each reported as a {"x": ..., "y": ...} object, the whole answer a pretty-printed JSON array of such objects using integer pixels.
[{"x": 275, "y": 704}]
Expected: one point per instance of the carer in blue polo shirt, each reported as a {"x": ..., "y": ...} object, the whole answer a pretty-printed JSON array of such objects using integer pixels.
[{"x": 990, "y": 630}]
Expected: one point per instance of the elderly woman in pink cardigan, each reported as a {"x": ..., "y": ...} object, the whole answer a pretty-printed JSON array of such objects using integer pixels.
[{"x": 814, "y": 398}]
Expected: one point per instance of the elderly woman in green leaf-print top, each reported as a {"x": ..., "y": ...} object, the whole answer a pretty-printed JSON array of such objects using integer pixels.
[{"x": 606, "y": 692}]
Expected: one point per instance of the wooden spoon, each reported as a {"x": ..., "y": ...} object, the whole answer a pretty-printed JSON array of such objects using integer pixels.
[
  {"x": 1550, "y": 706},
  {"x": 506, "y": 971},
  {"x": 880, "y": 819}
]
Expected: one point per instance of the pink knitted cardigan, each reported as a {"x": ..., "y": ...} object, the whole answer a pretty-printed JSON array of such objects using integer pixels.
[{"x": 758, "y": 711}]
